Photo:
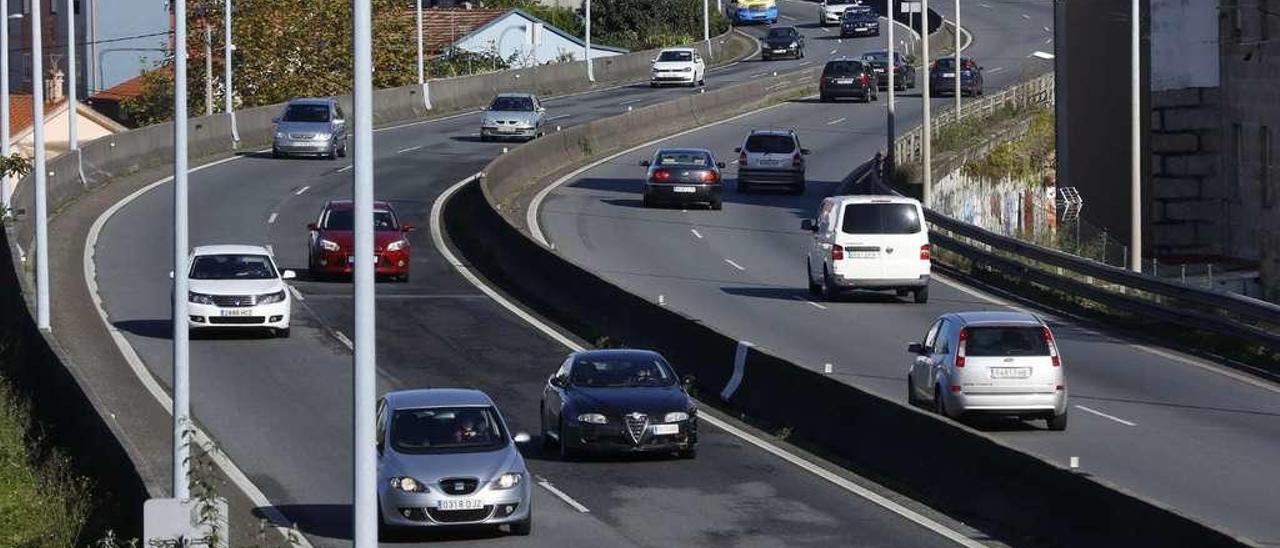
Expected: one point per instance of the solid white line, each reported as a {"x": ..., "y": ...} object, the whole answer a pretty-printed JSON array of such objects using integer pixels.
[
  {"x": 788, "y": 17},
  {"x": 1027, "y": 17},
  {"x": 342, "y": 338},
  {"x": 696, "y": 233},
  {"x": 735, "y": 265},
  {"x": 985, "y": 5},
  {"x": 563, "y": 496},
  {"x": 629, "y": 101},
  {"x": 344, "y": 168},
  {"x": 815, "y": 305},
  {"x": 1047, "y": 29},
  {"x": 296, "y": 294},
  {"x": 272, "y": 218},
  {"x": 833, "y": 52},
  {"x": 825, "y": 29},
  {"x": 560, "y": 117},
  {"x": 1105, "y": 416},
  {"x": 802, "y": 63},
  {"x": 739, "y": 369},
  {"x": 410, "y": 149},
  {"x": 836, "y": 121},
  {"x": 301, "y": 190},
  {"x": 995, "y": 70},
  {"x": 149, "y": 381}
]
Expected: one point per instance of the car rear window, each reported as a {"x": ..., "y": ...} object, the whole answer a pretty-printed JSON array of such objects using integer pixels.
[
  {"x": 772, "y": 144},
  {"x": 1006, "y": 341},
  {"x": 674, "y": 56},
  {"x": 683, "y": 158},
  {"x": 881, "y": 219},
  {"x": 842, "y": 68}
]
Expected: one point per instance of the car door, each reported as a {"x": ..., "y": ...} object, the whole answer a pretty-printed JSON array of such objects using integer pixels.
[
  {"x": 313, "y": 236},
  {"x": 818, "y": 250},
  {"x": 940, "y": 358},
  {"x": 921, "y": 365},
  {"x": 553, "y": 396}
]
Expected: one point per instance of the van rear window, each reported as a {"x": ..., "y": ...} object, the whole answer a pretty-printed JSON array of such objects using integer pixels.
[
  {"x": 881, "y": 219},
  {"x": 773, "y": 144},
  {"x": 842, "y": 68},
  {"x": 1006, "y": 341}
]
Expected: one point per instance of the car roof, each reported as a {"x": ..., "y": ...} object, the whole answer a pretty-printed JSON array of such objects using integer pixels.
[
  {"x": 229, "y": 249},
  {"x": 311, "y": 101},
  {"x": 691, "y": 50},
  {"x": 436, "y": 397},
  {"x": 617, "y": 353},
  {"x": 683, "y": 149},
  {"x": 997, "y": 317},
  {"x": 529, "y": 95},
  {"x": 874, "y": 199},
  {"x": 782, "y": 132},
  {"x": 348, "y": 204}
]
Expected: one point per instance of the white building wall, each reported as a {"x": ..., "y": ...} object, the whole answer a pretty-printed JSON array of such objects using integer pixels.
[
  {"x": 1184, "y": 44},
  {"x": 511, "y": 35}
]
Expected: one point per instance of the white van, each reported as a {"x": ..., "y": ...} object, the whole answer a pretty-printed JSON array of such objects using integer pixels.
[{"x": 869, "y": 242}]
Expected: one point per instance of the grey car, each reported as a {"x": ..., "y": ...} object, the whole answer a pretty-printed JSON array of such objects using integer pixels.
[
  {"x": 446, "y": 459},
  {"x": 311, "y": 126},
  {"x": 512, "y": 116},
  {"x": 683, "y": 176}
]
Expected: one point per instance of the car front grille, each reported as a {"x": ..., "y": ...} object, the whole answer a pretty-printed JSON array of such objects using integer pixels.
[
  {"x": 302, "y": 136},
  {"x": 636, "y": 423},
  {"x": 234, "y": 301},
  {"x": 236, "y": 320},
  {"x": 758, "y": 8},
  {"x": 460, "y": 516},
  {"x": 459, "y": 486}
]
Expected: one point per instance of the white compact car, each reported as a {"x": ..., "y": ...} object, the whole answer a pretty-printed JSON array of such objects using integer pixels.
[
  {"x": 869, "y": 242},
  {"x": 994, "y": 362},
  {"x": 678, "y": 66},
  {"x": 237, "y": 286},
  {"x": 831, "y": 11}
]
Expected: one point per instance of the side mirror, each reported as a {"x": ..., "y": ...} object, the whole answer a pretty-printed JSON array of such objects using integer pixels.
[
  {"x": 737, "y": 149},
  {"x": 654, "y": 60},
  {"x": 720, "y": 165},
  {"x": 915, "y": 348},
  {"x": 289, "y": 275},
  {"x": 170, "y": 274},
  {"x": 312, "y": 226},
  {"x": 542, "y": 109},
  {"x": 645, "y": 163},
  {"x": 339, "y": 121},
  {"x": 521, "y": 437},
  {"x": 408, "y": 227},
  {"x": 688, "y": 381},
  {"x": 557, "y": 382},
  {"x": 807, "y": 225},
  {"x": 804, "y": 151},
  {"x": 379, "y": 445}
]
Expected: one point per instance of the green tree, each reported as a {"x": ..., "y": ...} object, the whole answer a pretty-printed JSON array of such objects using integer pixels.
[{"x": 648, "y": 24}]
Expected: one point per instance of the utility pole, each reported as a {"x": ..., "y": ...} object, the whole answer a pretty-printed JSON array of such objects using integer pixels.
[
  {"x": 208, "y": 67},
  {"x": 421, "y": 71},
  {"x": 706, "y": 24},
  {"x": 42, "y": 207},
  {"x": 228, "y": 93},
  {"x": 365, "y": 493},
  {"x": 1135, "y": 133},
  {"x": 181, "y": 331},
  {"x": 957, "y": 60},
  {"x": 927, "y": 144},
  {"x": 73, "y": 117},
  {"x": 5, "y": 189},
  {"x": 591, "y": 77},
  {"x": 890, "y": 130}
]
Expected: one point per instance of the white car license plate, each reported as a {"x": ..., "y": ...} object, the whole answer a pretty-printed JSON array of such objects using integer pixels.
[
  {"x": 237, "y": 312},
  {"x": 860, "y": 29},
  {"x": 768, "y": 162},
  {"x": 351, "y": 259},
  {"x": 948, "y": 75},
  {"x": 459, "y": 504},
  {"x": 845, "y": 81},
  {"x": 506, "y": 129},
  {"x": 665, "y": 429},
  {"x": 862, "y": 254},
  {"x": 779, "y": 51},
  {"x": 878, "y": 70},
  {"x": 1010, "y": 372},
  {"x": 685, "y": 189}
]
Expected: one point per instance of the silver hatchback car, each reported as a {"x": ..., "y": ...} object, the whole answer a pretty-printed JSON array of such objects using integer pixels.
[
  {"x": 312, "y": 126},
  {"x": 994, "y": 362},
  {"x": 513, "y": 116},
  {"x": 446, "y": 458}
]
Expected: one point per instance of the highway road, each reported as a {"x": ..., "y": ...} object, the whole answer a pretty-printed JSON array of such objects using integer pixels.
[
  {"x": 1176, "y": 429},
  {"x": 281, "y": 408}
]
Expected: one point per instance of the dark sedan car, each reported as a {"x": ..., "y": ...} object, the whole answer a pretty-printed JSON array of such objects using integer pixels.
[
  {"x": 859, "y": 21},
  {"x": 782, "y": 42},
  {"x": 942, "y": 77},
  {"x": 847, "y": 78},
  {"x": 683, "y": 176},
  {"x": 621, "y": 401},
  {"x": 904, "y": 75}
]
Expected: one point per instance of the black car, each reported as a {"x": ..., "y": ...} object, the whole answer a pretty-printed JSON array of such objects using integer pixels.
[
  {"x": 683, "y": 176},
  {"x": 904, "y": 75},
  {"x": 620, "y": 401},
  {"x": 782, "y": 42},
  {"x": 848, "y": 78},
  {"x": 859, "y": 21},
  {"x": 942, "y": 77}
]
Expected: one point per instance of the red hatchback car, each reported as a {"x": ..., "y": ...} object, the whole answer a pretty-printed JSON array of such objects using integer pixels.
[{"x": 332, "y": 241}]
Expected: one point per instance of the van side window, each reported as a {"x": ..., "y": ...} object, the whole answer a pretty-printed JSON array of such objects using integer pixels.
[{"x": 943, "y": 345}]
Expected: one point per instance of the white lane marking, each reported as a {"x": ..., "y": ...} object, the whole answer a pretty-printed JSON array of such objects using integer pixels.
[
  {"x": 437, "y": 238},
  {"x": 1041, "y": 55},
  {"x": 1027, "y": 17},
  {"x": 149, "y": 381},
  {"x": 301, "y": 190},
  {"x": 833, "y": 52},
  {"x": 344, "y": 168},
  {"x": 735, "y": 265},
  {"x": 788, "y": 17},
  {"x": 1047, "y": 29},
  {"x": 696, "y": 234},
  {"x": 560, "y": 117},
  {"x": 825, "y": 29},
  {"x": 410, "y": 149},
  {"x": 342, "y": 338},
  {"x": 1048, "y": 40},
  {"x": 296, "y": 294},
  {"x": 985, "y": 5},
  {"x": 995, "y": 70},
  {"x": 802, "y": 63},
  {"x": 272, "y": 219},
  {"x": 836, "y": 121},
  {"x": 1105, "y": 416},
  {"x": 629, "y": 101},
  {"x": 814, "y": 304},
  {"x": 563, "y": 496}
]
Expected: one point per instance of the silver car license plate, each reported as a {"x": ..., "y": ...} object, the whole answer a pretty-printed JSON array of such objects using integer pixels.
[
  {"x": 237, "y": 312},
  {"x": 1010, "y": 372},
  {"x": 665, "y": 429},
  {"x": 352, "y": 260},
  {"x": 685, "y": 189},
  {"x": 459, "y": 504},
  {"x": 506, "y": 129},
  {"x": 768, "y": 162},
  {"x": 948, "y": 75}
]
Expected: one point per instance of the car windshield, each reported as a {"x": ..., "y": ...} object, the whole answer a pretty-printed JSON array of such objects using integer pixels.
[
  {"x": 771, "y": 144},
  {"x": 781, "y": 34},
  {"x": 1006, "y": 341},
  {"x": 447, "y": 430},
  {"x": 692, "y": 158},
  {"x": 620, "y": 372},
  {"x": 842, "y": 68},
  {"x": 880, "y": 219},
  {"x": 306, "y": 113},
  {"x": 343, "y": 219},
  {"x": 675, "y": 56},
  {"x": 512, "y": 103},
  {"x": 232, "y": 267}
]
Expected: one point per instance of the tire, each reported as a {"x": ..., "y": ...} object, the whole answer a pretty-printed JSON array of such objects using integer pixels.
[
  {"x": 829, "y": 291},
  {"x": 283, "y": 333},
  {"x": 717, "y": 204},
  {"x": 921, "y": 295},
  {"x": 547, "y": 443},
  {"x": 566, "y": 453},
  {"x": 689, "y": 454},
  {"x": 403, "y": 278},
  {"x": 911, "y": 392},
  {"x": 523, "y": 528},
  {"x": 743, "y": 188},
  {"x": 939, "y": 404},
  {"x": 342, "y": 152},
  {"x": 824, "y": 99},
  {"x": 646, "y": 202},
  {"x": 333, "y": 152},
  {"x": 798, "y": 188},
  {"x": 484, "y": 138},
  {"x": 275, "y": 153},
  {"x": 653, "y": 84},
  {"x": 815, "y": 289},
  {"x": 1057, "y": 423}
]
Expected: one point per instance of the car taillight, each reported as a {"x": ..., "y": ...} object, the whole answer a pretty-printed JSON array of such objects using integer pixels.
[
  {"x": 1053, "y": 347},
  {"x": 710, "y": 176},
  {"x": 924, "y": 252},
  {"x": 742, "y": 157},
  {"x": 864, "y": 79},
  {"x": 661, "y": 175},
  {"x": 837, "y": 253},
  {"x": 797, "y": 160},
  {"x": 960, "y": 348}
]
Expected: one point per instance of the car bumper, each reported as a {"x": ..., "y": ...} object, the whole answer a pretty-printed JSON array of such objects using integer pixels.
[
  {"x": 770, "y": 176},
  {"x": 667, "y": 193},
  {"x": 672, "y": 78},
  {"x": 514, "y": 133},
  {"x": 769, "y": 53},
  {"x": 745, "y": 16},
  {"x": 400, "y": 509},
  {"x": 944, "y": 86},
  {"x": 845, "y": 90},
  {"x": 207, "y": 316},
  {"x": 860, "y": 31},
  {"x": 847, "y": 282},
  {"x": 611, "y": 438},
  {"x": 1008, "y": 404},
  {"x": 288, "y": 146},
  {"x": 391, "y": 263}
]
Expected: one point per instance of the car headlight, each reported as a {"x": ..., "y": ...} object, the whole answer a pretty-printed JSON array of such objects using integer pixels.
[
  {"x": 271, "y": 298},
  {"x": 199, "y": 298},
  {"x": 397, "y": 245},
  {"x": 676, "y": 416},
  {"x": 687, "y": 69},
  {"x": 328, "y": 245},
  {"x": 508, "y": 480},
  {"x": 795, "y": 45},
  {"x": 592, "y": 418},
  {"x": 279, "y": 135},
  {"x": 408, "y": 484},
  {"x": 323, "y": 137}
]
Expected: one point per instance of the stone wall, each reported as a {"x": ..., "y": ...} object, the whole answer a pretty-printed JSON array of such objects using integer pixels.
[{"x": 1186, "y": 184}]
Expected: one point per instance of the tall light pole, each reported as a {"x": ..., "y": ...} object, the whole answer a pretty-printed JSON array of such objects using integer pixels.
[
  {"x": 228, "y": 93},
  {"x": 957, "y": 60},
  {"x": 365, "y": 488},
  {"x": 591, "y": 77},
  {"x": 73, "y": 143},
  {"x": 1135, "y": 134},
  {"x": 706, "y": 25},
  {"x": 5, "y": 191},
  {"x": 181, "y": 354},
  {"x": 42, "y": 208},
  {"x": 421, "y": 72},
  {"x": 208, "y": 66},
  {"x": 927, "y": 144},
  {"x": 890, "y": 129}
]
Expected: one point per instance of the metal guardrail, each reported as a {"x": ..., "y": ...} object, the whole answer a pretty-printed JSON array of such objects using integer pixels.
[{"x": 1036, "y": 91}]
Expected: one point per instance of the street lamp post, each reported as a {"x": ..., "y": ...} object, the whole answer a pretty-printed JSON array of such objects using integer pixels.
[
  {"x": 5, "y": 190},
  {"x": 421, "y": 71},
  {"x": 228, "y": 92},
  {"x": 42, "y": 210},
  {"x": 586, "y": 52},
  {"x": 957, "y": 60},
  {"x": 365, "y": 495},
  {"x": 1135, "y": 134},
  {"x": 73, "y": 143},
  {"x": 890, "y": 129},
  {"x": 181, "y": 333},
  {"x": 706, "y": 24},
  {"x": 926, "y": 144}
]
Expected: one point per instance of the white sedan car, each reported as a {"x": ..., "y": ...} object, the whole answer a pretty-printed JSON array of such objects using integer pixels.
[
  {"x": 237, "y": 286},
  {"x": 678, "y": 66},
  {"x": 830, "y": 11}
]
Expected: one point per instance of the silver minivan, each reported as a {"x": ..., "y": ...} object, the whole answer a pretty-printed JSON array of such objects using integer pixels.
[
  {"x": 990, "y": 362},
  {"x": 311, "y": 126}
]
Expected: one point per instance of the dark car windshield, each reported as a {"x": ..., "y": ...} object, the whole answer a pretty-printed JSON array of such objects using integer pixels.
[
  {"x": 842, "y": 68},
  {"x": 343, "y": 219},
  {"x": 447, "y": 430},
  {"x": 772, "y": 144},
  {"x": 880, "y": 219},
  {"x": 620, "y": 372},
  {"x": 232, "y": 267},
  {"x": 306, "y": 113},
  {"x": 518, "y": 104},
  {"x": 781, "y": 34},
  {"x": 675, "y": 56},
  {"x": 1006, "y": 341},
  {"x": 692, "y": 158}
]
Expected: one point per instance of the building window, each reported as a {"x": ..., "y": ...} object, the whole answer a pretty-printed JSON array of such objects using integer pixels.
[{"x": 1264, "y": 167}]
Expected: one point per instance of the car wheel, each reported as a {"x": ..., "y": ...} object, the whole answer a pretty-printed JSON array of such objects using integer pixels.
[
  {"x": 403, "y": 278},
  {"x": 939, "y": 404},
  {"x": 653, "y": 84},
  {"x": 333, "y": 152},
  {"x": 275, "y": 153},
  {"x": 646, "y": 202},
  {"x": 283, "y": 333},
  {"x": 798, "y": 188},
  {"x": 912, "y": 400},
  {"x": 743, "y": 188},
  {"x": 523, "y": 527},
  {"x": 866, "y": 96},
  {"x": 484, "y": 138},
  {"x": 921, "y": 295},
  {"x": 688, "y": 453},
  {"x": 717, "y": 204},
  {"x": 829, "y": 291},
  {"x": 342, "y": 152},
  {"x": 824, "y": 99},
  {"x": 815, "y": 289},
  {"x": 567, "y": 453},
  {"x": 1057, "y": 423}
]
